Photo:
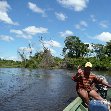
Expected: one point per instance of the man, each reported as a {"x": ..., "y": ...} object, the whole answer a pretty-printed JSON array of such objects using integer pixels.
[{"x": 86, "y": 83}]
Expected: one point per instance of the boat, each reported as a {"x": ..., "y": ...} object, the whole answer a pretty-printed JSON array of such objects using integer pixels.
[{"x": 77, "y": 104}]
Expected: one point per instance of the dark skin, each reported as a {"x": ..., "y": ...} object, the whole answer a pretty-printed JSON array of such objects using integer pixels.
[{"x": 84, "y": 94}]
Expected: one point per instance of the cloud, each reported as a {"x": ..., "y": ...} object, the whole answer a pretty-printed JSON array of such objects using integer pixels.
[
  {"x": 19, "y": 32},
  {"x": 90, "y": 46},
  {"x": 30, "y": 31},
  {"x": 93, "y": 18},
  {"x": 6, "y": 38},
  {"x": 82, "y": 25},
  {"x": 76, "y": 5},
  {"x": 104, "y": 24},
  {"x": 51, "y": 43},
  {"x": 27, "y": 49},
  {"x": 10, "y": 58},
  {"x": 52, "y": 51},
  {"x": 4, "y": 8},
  {"x": 104, "y": 36},
  {"x": 60, "y": 16},
  {"x": 66, "y": 33},
  {"x": 36, "y": 9}
]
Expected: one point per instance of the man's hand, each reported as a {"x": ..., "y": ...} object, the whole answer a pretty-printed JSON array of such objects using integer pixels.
[{"x": 108, "y": 86}]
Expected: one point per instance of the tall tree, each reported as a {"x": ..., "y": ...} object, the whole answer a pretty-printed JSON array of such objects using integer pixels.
[
  {"x": 108, "y": 48},
  {"x": 74, "y": 47},
  {"x": 99, "y": 50}
]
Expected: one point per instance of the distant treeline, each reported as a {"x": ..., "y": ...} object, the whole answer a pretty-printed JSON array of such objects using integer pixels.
[
  {"x": 9, "y": 63},
  {"x": 75, "y": 53}
]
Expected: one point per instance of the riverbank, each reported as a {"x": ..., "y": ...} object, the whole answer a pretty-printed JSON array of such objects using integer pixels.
[{"x": 68, "y": 63}]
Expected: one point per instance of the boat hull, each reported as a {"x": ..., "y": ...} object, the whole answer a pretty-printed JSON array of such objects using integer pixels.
[{"x": 76, "y": 105}]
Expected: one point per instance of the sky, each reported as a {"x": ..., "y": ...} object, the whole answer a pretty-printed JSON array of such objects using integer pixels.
[{"x": 24, "y": 22}]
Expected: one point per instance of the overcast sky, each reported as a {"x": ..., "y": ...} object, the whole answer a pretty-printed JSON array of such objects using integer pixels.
[{"x": 25, "y": 21}]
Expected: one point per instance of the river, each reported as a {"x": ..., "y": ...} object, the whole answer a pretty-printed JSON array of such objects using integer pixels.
[{"x": 37, "y": 90}]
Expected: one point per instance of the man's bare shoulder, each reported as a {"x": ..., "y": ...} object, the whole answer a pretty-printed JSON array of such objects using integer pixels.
[{"x": 92, "y": 74}]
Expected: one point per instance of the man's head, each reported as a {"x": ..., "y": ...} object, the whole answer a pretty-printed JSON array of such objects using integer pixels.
[{"x": 87, "y": 68}]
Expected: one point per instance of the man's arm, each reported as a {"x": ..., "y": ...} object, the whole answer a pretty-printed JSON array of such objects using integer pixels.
[
  {"x": 75, "y": 77},
  {"x": 106, "y": 84},
  {"x": 78, "y": 74},
  {"x": 102, "y": 81}
]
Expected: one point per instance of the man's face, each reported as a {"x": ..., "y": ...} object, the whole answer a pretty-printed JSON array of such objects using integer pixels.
[{"x": 87, "y": 70}]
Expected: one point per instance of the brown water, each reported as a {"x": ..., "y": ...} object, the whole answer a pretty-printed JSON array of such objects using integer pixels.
[{"x": 36, "y": 90}]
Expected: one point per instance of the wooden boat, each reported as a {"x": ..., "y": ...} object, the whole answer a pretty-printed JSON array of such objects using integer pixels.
[{"x": 76, "y": 105}]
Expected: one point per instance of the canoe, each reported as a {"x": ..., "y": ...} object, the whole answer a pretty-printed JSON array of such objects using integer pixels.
[{"x": 76, "y": 105}]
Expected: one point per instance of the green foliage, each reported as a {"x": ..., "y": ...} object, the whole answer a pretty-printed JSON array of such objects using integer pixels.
[
  {"x": 74, "y": 48},
  {"x": 108, "y": 48},
  {"x": 104, "y": 64},
  {"x": 9, "y": 63},
  {"x": 43, "y": 60},
  {"x": 99, "y": 50},
  {"x": 75, "y": 53}
]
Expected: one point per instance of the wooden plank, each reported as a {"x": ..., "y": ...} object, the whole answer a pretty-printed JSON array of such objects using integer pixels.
[
  {"x": 73, "y": 105},
  {"x": 83, "y": 108},
  {"x": 79, "y": 109}
]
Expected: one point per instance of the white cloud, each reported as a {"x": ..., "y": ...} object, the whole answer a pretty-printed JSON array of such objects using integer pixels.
[
  {"x": 6, "y": 38},
  {"x": 36, "y": 9},
  {"x": 19, "y": 32},
  {"x": 82, "y": 25},
  {"x": 93, "y": 18},
  {"x": 104, "y": 36},
  {"x": 77, "y": 5},
  {"x": 104, "y": 24},
  {"x": 10, "y": 58},
  {"x": 27, "y": 49},
  {"x": 90, "y": 46},
  {"x": 60, "y": 16},
  {"x": 51, "y": 43},
  {"x": 30, "y": 31},
  {"x": 52, "y": 51},
  {"x": 4, "y": 8},
  {"x": 66, "y": 33}
]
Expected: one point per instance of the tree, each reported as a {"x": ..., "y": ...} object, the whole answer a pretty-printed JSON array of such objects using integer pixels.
[
  {"x": 99, "y": 50},
  {"x": 108, "y": 48},
  {"x": 74, "y": 48}
]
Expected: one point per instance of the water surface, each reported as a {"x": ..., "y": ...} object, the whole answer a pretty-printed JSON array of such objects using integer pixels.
[{"x": 36, "y": 90}]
